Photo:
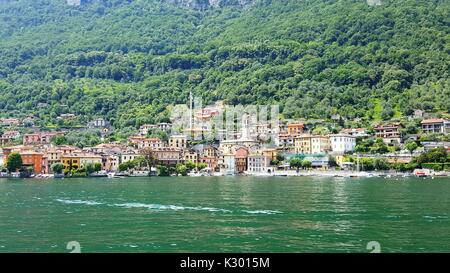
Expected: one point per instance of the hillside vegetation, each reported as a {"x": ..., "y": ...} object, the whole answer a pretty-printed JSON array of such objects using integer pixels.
[{"x": 127, "y": 60}]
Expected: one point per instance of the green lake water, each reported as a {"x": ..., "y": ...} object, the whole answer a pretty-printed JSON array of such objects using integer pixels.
[{"x": 225, "y": 214}]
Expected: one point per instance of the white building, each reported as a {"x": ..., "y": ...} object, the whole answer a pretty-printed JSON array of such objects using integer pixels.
[
  {"x": 143, "y": 130},
  {"x": 98, "y": 123},
  {"x": 258, "y": 164},
  {"x": 342, "y": 143},
  {"x": 125, "y": 157},
  {"x": 229, "y": 164},
  {"x": 164, "y": 126},
  {"x": 357, "y": 132}
]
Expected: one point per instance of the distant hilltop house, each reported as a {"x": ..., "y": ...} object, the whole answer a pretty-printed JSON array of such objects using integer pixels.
[
  {"x": 42, "y": 105},
  {"x": 98, "y": 123},
  {"x": 29, "y": 121},
  {"x": 11, "y": 134},
  {"x": 206, "y": 114},
  {"x": 435, "y": 125},
  {"x": 9, "y": 121},
  {"x": 163, "y": 126},
  {"x": 357, "y": 132},
  {"x": 336, "y": 117},
  {"x": 390, "y": 133},
  {"x": 66, "y": 116},
  {"x": 40, "y": 137},
  {"x": 418, "y": 113}
]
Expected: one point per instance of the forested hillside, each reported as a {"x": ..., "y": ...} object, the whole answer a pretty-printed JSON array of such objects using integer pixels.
[{"x": 127, "y": 60}]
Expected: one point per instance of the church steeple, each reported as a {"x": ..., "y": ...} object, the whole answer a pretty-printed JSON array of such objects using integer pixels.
[{"x": 245, "y": 127}]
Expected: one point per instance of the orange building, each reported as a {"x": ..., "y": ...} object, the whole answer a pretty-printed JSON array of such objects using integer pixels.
[
  {"x": 295, "y": 129},
  {"x": 29, "y": 158},
  {"x": 33, "y": 159}
]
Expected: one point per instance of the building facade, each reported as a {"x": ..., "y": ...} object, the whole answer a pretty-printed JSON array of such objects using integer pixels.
[
  {"x": 436, "y": 125},
  {"x": 241, "y": 156},
  {"x": 259, "y": 164},
  {"x": 342, "y": 143},
  {"x": 390, "y": 133},
  {"x": 178, "y": 141},
  {"x": 312, "y": 144}
]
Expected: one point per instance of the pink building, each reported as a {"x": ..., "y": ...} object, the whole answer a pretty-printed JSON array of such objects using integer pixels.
[{"x": 40, "y": 137}]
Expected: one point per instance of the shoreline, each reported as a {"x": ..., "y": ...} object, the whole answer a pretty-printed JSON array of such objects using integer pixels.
[{"x": 291, "y": 173}]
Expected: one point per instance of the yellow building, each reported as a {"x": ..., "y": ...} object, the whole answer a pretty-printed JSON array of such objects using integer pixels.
[
  {"x": 79, "y": 161},
  {"x": 178, "y": 141},
  {"x": 270, "y": 153},
  {"x": 312, "y": 144}
]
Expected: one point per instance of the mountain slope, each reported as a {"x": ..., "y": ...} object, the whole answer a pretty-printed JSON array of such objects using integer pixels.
[{"x": 128, "y": 60}]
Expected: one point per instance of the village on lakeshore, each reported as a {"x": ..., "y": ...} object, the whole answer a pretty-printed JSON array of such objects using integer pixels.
[{"x": 261, "y": 148}]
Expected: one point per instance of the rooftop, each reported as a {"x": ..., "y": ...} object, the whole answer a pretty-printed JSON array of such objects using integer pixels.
[{"x": 433, "y": 120}]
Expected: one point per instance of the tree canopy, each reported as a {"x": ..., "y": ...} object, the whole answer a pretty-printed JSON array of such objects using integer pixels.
[
  {"x": 127, "y": 61},
  {"x": 14, "y": 162}
]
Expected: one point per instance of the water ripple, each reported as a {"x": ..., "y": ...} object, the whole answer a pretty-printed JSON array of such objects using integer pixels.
[{"x": 160, "y": 207}]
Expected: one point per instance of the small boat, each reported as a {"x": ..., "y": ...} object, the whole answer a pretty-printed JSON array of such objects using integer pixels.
[
  {"x": 194, "y": 174},
  {"x": 421, "y": 174},
  {"x": 111, "y": 175},
  {"x": 139, "y": 173},
  {"x": 120, "y": 174}
]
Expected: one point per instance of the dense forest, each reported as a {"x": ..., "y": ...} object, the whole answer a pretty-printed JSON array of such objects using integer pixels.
[{"x": 128, "y": 60}]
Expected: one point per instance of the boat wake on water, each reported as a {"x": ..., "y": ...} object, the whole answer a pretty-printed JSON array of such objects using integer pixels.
[
  {"x": 160, "y": 207},
  {"x": 79, "y": 202}
]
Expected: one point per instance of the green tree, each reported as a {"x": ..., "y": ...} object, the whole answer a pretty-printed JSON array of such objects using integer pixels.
[
  {"x": 14, "y": 162},
  {"x": 380, "y": 164},
  {"x": 124, "y": 167},
  {"x": 90, "y": 168},
  {"x": 280, "y": 157},
  {"x": 306, "y": 164},
  {"x": 379, "y": 147},
  {"x": 201, "y": 166},
  {"x": 437, "y": 155},
  {"x": 57, "y": 168},
  {"x": 411, "y": 146},
  {"x": 97, "y": 167},
  {"x": 181, "y": 169},
  {"x": 163, "y": 170},
  {"x": 190, "y": 165},
  {"x": 59, "y": 140},
  {"x": 295, "y": 163},
  {"x": 140, "y": 162}
]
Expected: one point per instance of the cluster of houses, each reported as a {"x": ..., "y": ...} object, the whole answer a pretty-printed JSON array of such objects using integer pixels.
[{"x": 255, "y": 148}]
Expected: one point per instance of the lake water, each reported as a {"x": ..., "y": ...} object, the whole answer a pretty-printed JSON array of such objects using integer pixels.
[{"x": 225, "y": 214}]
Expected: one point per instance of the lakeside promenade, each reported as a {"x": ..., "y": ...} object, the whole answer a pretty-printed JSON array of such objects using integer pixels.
[{"x": 287, "y": 173}]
